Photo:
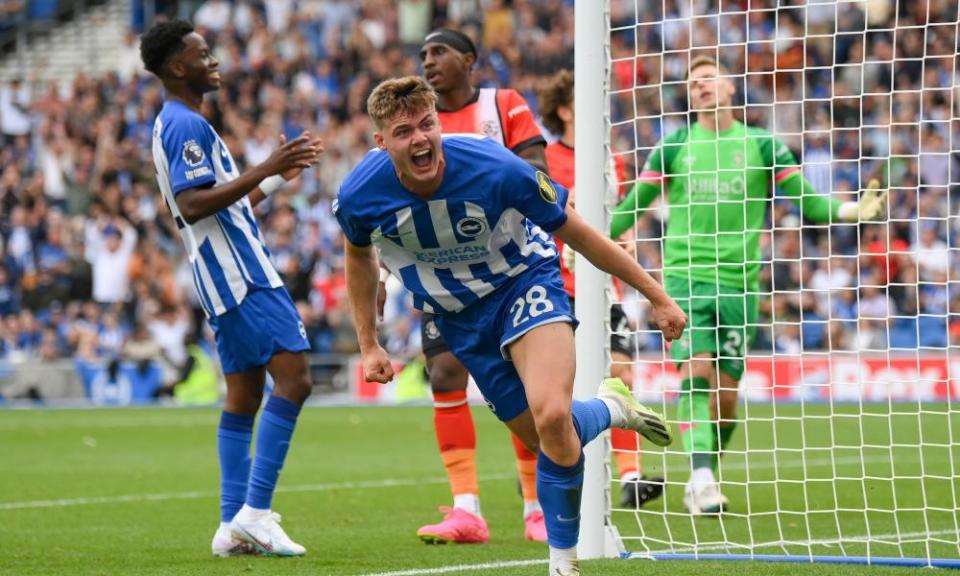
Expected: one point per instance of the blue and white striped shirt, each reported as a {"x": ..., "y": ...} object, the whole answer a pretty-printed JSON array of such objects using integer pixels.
[
  {"x": 487, "y": 223},
  {"x": 226, "y": 249}
]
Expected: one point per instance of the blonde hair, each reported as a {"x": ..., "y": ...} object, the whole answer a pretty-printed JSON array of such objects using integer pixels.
[
  {"x": 409, "y": 95},
  {"x": 705, "y": 60}
]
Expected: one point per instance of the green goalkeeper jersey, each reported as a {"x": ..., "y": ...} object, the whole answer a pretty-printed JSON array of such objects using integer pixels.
[{"x": 718, "y": 188}]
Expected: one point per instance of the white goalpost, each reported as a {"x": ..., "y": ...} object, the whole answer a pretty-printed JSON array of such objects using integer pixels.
[{"x": 847, "y": 440}]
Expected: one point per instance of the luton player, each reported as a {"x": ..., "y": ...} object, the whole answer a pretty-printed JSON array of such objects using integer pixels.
[
  {"x": 717, "y": 175},
  {"x": 556, "y": 109},
  {"x": 502, "y": 115},
  {"x": 465, "y": 225}
]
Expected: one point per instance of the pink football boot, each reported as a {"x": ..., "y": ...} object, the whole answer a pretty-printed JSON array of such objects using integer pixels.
[
  {"x": 535, "y": 528},
  {"x": 458, "y": 526}
]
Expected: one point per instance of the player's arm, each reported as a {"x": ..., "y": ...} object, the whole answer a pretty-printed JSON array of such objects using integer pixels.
[
  {"x": 815, "y": 206},
  {"x": 362, "y": 272},
  {"x": 523, "y": 137},
  {"x": 291, "y": 157},
  {"x": 535, "y": 155},
  {"x": 625, "y": 215},
  {"x": 607, "y": 256},
  {"x": 649, "y": 185}
]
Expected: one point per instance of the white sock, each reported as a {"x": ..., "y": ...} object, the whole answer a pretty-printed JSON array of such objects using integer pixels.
[
  {"x": 562, "y": 558},
  {"x": 617, "y": 417},
  {"x": 629, "y": 477},
  {"x": 701, "y": 477},
  {"x": 224, "y": 525},
  {"x": 531, "y": 506},
  {"x": 468, "y": 502}
]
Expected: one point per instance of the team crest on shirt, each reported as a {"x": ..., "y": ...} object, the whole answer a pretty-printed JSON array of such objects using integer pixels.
[
  {"x": 490, "y": 129},
  {"x": 192, "y": 153},
  {"x": 547, "y": 190},
  {"x": 471, "y": 227},
  {"x": 432, "y": 331}
]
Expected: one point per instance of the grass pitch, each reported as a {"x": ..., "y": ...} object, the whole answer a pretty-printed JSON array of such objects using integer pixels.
[{"x": 134, "y": 491}]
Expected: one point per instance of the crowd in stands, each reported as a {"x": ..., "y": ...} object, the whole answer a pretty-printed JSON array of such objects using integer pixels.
[{"x": 90, "y": 261}]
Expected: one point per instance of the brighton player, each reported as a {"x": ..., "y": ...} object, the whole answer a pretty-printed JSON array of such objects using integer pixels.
[
  {"x": 556, "y": 109},
  {"x": 717, "y": 175},
  {"x": 465, "y": 225},
  {"x": 255, "y": 323},
  {"x": 448, "y": 56}
]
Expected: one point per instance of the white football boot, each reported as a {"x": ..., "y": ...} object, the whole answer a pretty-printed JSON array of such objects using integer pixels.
[
  {"x": 706, "y": 501},
  {"x": 225, "y": 545},
  {"x": 261, "y": 528}
]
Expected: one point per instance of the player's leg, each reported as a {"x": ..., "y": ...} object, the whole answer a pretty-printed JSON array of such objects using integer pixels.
[
  {"x": 234, "y": 435},
  {"x": 635, "y": 489},
  {"x": 695, "y": 354},
  {"x": 737, "y": 314},
  {"x": 282, "y": 343},
  {"x": 545, "y": 360},
  {"x": 456, "y": 440}
]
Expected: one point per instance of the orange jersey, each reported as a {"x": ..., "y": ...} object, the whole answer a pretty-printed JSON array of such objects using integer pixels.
[
  {"x": 500, "y": 114},
  {"x": 561, "y": 163}
]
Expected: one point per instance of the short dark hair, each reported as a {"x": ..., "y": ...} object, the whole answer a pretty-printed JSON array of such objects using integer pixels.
[{"x": 161, "y": 42}]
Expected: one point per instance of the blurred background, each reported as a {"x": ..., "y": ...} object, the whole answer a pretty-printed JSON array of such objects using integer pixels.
[{"x": 96, "y": 296}]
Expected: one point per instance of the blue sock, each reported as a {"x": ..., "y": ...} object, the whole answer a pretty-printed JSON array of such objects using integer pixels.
[
  {"x": 233, "y": 445},
  {"x": 559, "y": 489},
  {"x": 273, "y": 440},
  {"x": 590, "y": 418}
]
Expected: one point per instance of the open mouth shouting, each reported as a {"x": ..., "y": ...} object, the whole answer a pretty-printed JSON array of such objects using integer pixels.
[{"x": 423, "y": 159}]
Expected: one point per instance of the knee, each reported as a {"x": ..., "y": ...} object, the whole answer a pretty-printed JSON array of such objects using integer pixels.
[
  {"x": 296, "y": 388},
  {"x": 243, "y": 401},
  {"x": 553, "y": 421},
  {"x": 447, "y": 374}
]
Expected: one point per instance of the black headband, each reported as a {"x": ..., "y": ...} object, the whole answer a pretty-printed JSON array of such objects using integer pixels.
[{"x": 452, "y": 38}]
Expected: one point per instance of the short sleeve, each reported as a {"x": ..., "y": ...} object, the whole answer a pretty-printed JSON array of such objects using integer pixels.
[
  {"x": 535, "y": 195},
  {"x": 521, "y": 129},
  {"x": 351, "y": 224},
  {"x": 188, "y": 146}
]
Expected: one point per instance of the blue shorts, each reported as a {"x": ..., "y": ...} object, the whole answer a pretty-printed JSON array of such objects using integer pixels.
[
  {"x": 480, "y": 334},
  {"x": 265, "y": 323}
]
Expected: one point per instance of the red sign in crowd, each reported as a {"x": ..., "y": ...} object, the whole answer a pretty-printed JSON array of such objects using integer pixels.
[
  {"x": 840, "y": 376},
  {"x": 837, "y": 376}
]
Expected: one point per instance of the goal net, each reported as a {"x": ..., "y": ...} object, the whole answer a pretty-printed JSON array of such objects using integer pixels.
[{"x": 844, "y": 443}]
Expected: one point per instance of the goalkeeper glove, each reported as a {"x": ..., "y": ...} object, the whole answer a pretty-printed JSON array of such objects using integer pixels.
[{"x": 871, "y": 207}]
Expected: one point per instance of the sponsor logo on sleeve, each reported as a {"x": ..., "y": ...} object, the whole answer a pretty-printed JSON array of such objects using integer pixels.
[
  {"x": 193, "y": 156},
  {"x": 547, "y": 190}
]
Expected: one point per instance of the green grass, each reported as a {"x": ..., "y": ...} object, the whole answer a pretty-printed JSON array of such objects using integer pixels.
[{"x": 138, "y": 491}]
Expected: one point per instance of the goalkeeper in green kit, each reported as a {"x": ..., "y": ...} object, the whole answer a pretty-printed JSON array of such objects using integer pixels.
[{"x": 717, "y": 175}]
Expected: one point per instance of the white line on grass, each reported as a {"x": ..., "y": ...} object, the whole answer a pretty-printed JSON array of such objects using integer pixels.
[
  {"x": 194, "y": 494},
  {"x": 460, "y": 568},
  {"x": 646, "y": 556},
  {"x": 389, "y": 483}
]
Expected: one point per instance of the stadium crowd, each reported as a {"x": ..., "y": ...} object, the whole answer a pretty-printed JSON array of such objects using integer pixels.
[{"x": 90, "y": 266}]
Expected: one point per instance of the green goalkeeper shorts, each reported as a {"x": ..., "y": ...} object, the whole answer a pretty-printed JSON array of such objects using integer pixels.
[{"x": 720, "y": 320}]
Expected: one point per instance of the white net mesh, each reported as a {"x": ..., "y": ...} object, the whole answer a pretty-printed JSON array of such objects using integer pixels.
[{"x": 847, "y": 437}]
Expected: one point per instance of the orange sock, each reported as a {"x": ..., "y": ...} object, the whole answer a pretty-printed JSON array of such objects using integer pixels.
[
  {"x": 527, "y": 468},
  {"x": 457, "y": 440},
  {"x": 626, "y": 444}
]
